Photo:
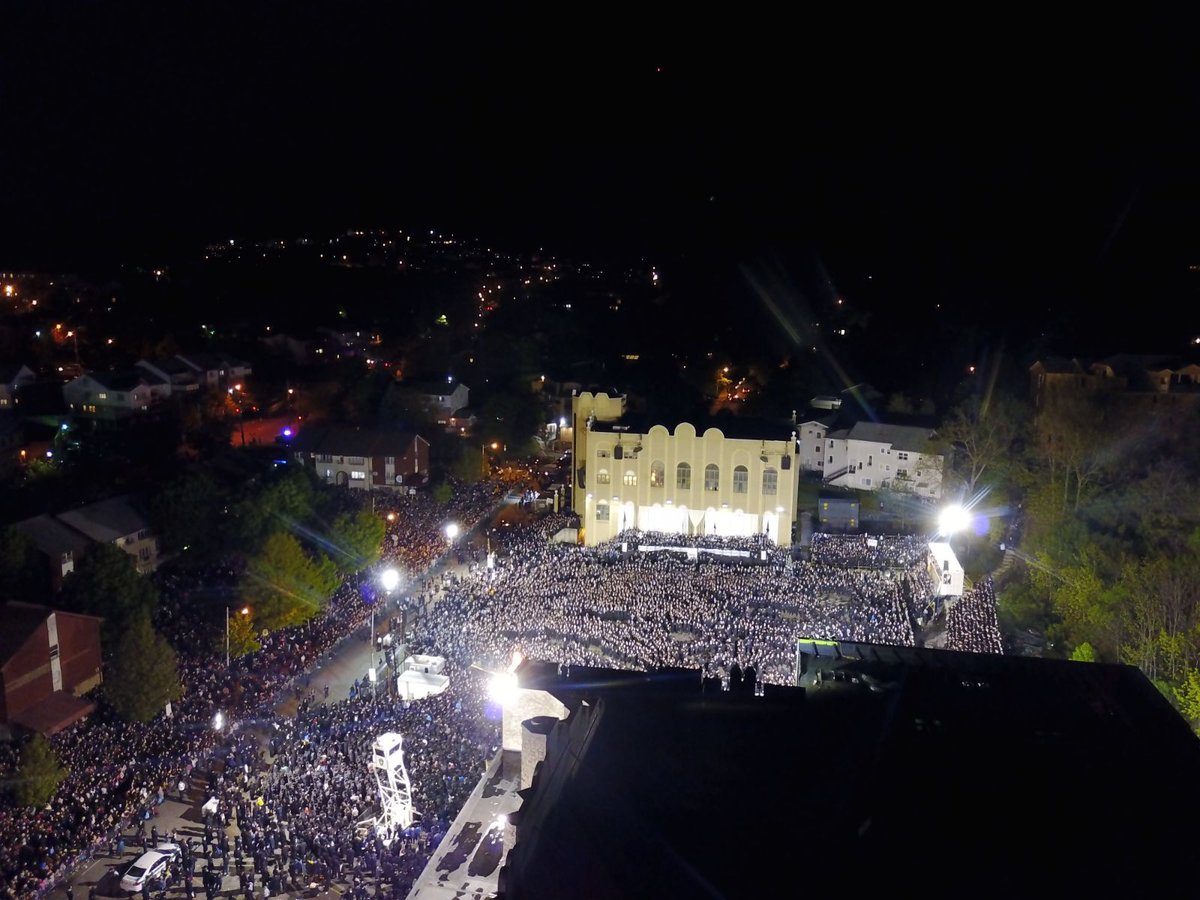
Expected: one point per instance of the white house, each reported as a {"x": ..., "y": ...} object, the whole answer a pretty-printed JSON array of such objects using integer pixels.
[
  {"x": 873, "y": 456},
  {"x": 215, "y": 369},
  {"x": 12, "y": 379},
  {"x": 443, "y": 400},
  {"x": 117, "y": 521},
  {"x": 113, "y": 395},
  {"x": 181, "y": 377}
]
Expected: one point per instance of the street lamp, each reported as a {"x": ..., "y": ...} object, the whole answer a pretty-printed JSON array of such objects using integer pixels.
[
  {"x": 451, "y": 531},
  {"x": 390, "y": 579},
  {"x": 245, "y": 611},
  {"x": 483, "y": 454}
]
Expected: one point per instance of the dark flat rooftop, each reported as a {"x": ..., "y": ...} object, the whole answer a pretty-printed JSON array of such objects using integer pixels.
[{"x": 899, "y": 769}]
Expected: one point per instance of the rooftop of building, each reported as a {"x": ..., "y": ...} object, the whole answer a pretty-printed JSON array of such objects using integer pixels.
[{"x": 895, "y": 768}]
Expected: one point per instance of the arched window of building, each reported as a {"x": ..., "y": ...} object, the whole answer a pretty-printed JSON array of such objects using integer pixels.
[
  {"x": 741, "y": 479},
  {"x": 602, "y": 476},
  {"x": 630, "y": 478},
  {"x": 770, "y": 482},
  {"x": 683, "y": 477},
  {"x": 602, "y": 512},
  {"x": 712, "y": 477},
  {"x": 658, "y": 474}
]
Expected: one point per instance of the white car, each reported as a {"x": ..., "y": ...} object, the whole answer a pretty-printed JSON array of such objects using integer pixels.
[{"x": 148, "y": 866}]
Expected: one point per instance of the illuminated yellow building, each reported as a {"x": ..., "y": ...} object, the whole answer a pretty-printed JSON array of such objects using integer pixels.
[{"x": 680, "y": 481}]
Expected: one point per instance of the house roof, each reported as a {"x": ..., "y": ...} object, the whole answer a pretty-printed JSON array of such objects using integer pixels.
[
  {"x": 10, "y": 372},
  {"x": 210, "y": 361},
  {"x": 172, "y": 365},
  {"x": 662, "y": 785},
  {"x": 354, "y": 440},
  {"x": 55, "y": 712},
  {"x": 51, "y": 536},
  {"x": 1059, "y": 365},
  {"x": 901, "y": 437},
  {"x": 107, "y": 520}
]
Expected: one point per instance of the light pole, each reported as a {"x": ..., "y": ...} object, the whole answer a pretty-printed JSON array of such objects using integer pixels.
[
  {"x": 483, "y": 454},
  {"x": 245, "y": 611},
  {"x": 390, "y": 579}
]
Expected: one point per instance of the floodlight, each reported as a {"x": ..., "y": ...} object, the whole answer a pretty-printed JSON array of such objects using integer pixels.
[
  {"x": 952, "y": 520},
  {"x": 390, "y": 579},
  {"x": 503, "y": 687}
]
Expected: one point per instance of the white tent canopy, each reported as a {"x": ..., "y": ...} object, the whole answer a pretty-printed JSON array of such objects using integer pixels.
[{"x": 412, "y": 684}]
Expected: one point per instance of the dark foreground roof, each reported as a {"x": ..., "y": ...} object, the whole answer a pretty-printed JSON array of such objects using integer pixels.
[
  {"x": 353, "y": 440},
  {"x": 919, "y": 772}
]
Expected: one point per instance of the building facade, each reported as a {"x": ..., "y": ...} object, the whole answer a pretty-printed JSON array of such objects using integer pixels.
[
  {"x": 680, "y": 481},
  {"x": 118, "y": 522},
  {"x": 364, "y": 459},
  {"x": 48, "y": 658},
  {"x": 872, "y": 456}
]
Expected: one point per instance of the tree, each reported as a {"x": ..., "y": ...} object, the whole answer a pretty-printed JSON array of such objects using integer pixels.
[
  {"x": 442, "y": 493},
  {"x": 1188, "y": 697},
  {"x": 511, "y": 417},
  {"x": 1074, "y": 441},
  {"x": 39, "y": 774},
  {"x": 106, "y": 583},
  {"x": 469, "y": 463},
  {"x": 143, "y": 674},
  {"x": 981, "y": 433},
  {"x": 284, "y": 586},
  {"x": 22, "y": 569},
  {"x": 1084, "y": 653},
  {"x": 282, "y": 503},
  {"x": 243, "y": 635},
  {"x": 187, "y": 514},
  {"x": 358, "y": 538}
]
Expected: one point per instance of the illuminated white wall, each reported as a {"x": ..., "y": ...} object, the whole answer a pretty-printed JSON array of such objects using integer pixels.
[{"x": 634, "y": 499}]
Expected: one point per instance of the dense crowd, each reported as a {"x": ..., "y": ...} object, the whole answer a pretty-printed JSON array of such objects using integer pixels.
[
  {"x": 299, "y": 796},
  {"x": 971, "y": 622},
  {"x": 119, "y": 769}
]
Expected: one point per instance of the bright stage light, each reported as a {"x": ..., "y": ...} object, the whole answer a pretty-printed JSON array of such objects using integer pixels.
[
  {"x": 953, "y": 519},
  {"x": 390, "y": 579},
  {"x": 451, "y": 531},
  {"x": 503, "y": 687},
  {"x": 219, "y": 721}
]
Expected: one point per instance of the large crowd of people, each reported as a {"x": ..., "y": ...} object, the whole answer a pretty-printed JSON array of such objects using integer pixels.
[{"x": 299, "y": 794}]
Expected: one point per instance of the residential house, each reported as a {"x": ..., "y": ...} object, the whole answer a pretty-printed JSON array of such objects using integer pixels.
[
  {"x": 115, "y": 395},
  {"x": 736, "y": 480},
  {"x": 875, "y": 456},
  {"x": 119, "y": 522},
  {"x": 215, "y": 370},
  {"x": 61, "y": 545},
  {"x": 182, "y": 377},
  {"x": 443, "y": 400},
  {"x": 13, "y": 378},
  {"x": 365, "y": 459},
  {"x": 48, "y": 660},
  {"x": 1128, "y": 374}
]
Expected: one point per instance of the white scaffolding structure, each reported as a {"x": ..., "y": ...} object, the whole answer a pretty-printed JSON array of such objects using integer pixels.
[{"x": 395, "y": 793}]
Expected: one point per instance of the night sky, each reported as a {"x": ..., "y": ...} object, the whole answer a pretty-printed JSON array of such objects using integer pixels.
[{"x": 1032, "y": 172}]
